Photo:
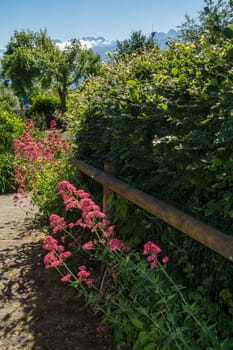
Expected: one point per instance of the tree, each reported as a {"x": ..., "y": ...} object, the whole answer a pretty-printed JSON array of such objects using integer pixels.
[
  {"x": 212, "y": 22},
  {"x": 33, "y": 61},
  {"x": 24, "y": 60},
  {"x": 71, "y": 66},
  {"x": 137, "y": 43}
]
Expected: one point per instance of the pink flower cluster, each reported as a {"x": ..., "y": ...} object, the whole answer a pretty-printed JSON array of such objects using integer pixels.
[
  {"x": 91, "y": 216},
  {"x": 83, "y": 275},
  {"x": 152, "y": 250},
  {"x": 115, "y": 243},
  {"x": 56, "y": 254},
  {"x": 57, "y": 222},
  {"x": 93, "y": 219},
  {"x": 31, "y": 153}
]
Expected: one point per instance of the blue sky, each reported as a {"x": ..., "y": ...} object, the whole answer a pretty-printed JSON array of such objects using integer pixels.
[{"x": 112, "y": 19}]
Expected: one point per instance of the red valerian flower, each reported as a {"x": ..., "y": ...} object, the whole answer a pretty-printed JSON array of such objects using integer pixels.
[
  {"x": 150, "y": 248},
  {"x": 66, "y": 277},
  {"x": 50, "y": 260},
  {"x": 165, "y": 259},
  {"x": 50, "y": 243},
  {"x": 115, "y": 243},
  {"x": 83, "y": 273},
  {"x": 57, "y": 222},
  {"x": 88, "y": 245}
]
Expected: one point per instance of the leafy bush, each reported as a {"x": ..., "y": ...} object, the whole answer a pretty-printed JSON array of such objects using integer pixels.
[
  {"x": 43, "y": 110},
  {"x": 41, "y": 161},
  {"x": 10, "y": 126},
  {"x": 164, "y": 119},
  {"x": 7, "y": 178}
]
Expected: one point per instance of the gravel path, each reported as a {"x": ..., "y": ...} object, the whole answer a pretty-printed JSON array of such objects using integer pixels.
[{"x": 37, "y": 312}]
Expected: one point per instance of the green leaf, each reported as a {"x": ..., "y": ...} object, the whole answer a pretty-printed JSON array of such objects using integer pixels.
[
  {"x": 137, "y": 323},
  {"x": 132, "y": 82},
  {"x": 217, "y": 161},
  {"x": 150, "y": 346},
  {"x": 228, "y": 32}
]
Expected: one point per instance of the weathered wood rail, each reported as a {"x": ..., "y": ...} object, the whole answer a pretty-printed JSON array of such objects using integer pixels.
[{"x": 212, "y": 238}]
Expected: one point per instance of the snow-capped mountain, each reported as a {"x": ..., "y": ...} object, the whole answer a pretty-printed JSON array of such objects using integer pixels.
[{"x": 101, "y": 45}]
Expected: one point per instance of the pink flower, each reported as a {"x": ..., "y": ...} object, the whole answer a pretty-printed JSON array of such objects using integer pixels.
[
  {"x": 82, "y": 275},
  {"x": 109, "y": 232},
  {"x": 50, "y": 243},
  {"x": 88, "y": 245},
  {"x": 57, "y": 222},
  {"x": 89, "y": 281},
  {"x": 150, "y": 248},
  {"x": 153, "y": 264},
  {"x": 50, "y": 260},
  {"x": 115, "y": 243},
  {"x": 53, "y": 124},
  {"x": 66, "y": 277},
  {"x": 65, "y": 254},
  {"x": 82, "y": 268},
  {"x": 152, "y": 259},
  {"x": 165, "y": 259}
]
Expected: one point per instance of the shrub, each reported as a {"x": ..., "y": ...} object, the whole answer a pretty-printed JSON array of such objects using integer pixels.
[
  {"x": 41, "y": 161},
  {"x": 7, "y": 178},
  {"x": 11, "y": 126},
  {"x": 43, "y": 110}
]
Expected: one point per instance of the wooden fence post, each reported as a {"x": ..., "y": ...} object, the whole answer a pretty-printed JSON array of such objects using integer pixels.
[{"x": 108, "y": 168}]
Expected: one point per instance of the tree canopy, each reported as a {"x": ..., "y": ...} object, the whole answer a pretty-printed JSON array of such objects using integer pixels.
[
  {"x": 33, "y": 61},
  {"x": 137, "y": 43},
  {"x": 212, "y": 22}
]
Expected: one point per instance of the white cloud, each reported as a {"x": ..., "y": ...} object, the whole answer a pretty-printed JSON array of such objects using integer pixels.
[
  {"x": 86, "y": 43},
  {"x": 63, "y": 45}
]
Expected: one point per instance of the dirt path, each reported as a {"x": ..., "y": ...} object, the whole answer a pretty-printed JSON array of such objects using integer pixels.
[{"x": 37, "y": 312}]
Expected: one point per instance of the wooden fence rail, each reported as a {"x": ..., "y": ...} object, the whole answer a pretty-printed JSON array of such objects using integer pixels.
[{"x": 201, "y": 232}]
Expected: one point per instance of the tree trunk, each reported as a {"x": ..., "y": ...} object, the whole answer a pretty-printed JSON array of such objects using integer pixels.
[{"x": 62, "y": 91}]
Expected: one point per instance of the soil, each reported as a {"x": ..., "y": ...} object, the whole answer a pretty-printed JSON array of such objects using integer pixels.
[{"x": 37, "y": 311}]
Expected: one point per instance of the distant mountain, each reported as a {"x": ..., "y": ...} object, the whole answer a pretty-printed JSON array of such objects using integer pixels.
[
  {"x": 100, "y": 45},
  {"x": 162, "y": 37}
]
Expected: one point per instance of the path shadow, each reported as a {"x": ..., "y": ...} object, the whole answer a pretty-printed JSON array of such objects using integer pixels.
[{"x": 39, "y": 312}]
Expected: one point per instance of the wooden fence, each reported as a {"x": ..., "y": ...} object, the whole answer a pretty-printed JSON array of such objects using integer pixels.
[{"x": 201, "y": 232}]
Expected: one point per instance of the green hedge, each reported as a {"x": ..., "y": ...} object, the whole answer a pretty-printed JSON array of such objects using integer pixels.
[{"x": 165, "y": 120}]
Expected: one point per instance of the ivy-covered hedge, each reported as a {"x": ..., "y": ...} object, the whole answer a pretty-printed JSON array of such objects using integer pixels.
[{"x": 165, "y": 119}]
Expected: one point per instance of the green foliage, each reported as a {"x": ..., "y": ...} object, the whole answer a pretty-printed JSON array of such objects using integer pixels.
[
  {"x": 27, "y": 59},
  {"x": 164, "y": 119},
  {"x": 212, "y": 23},
  {"x": 32, "y": 61},
  {"x": 7, "y": 178},
  {"x": 137, "y": 43},
  {"x": 43, "y": 109},
  {"x": 142, "y": 305},
  {"x": 10, "y": 127}
]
